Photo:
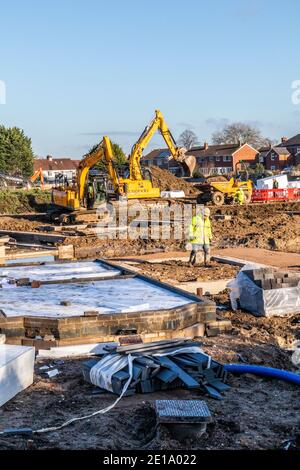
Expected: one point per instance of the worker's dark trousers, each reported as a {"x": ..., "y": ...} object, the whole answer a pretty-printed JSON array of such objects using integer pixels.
[{"x": 198, "y": 251}]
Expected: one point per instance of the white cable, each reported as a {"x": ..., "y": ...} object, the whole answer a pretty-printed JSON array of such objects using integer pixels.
[{"x": 104, "y": 410}]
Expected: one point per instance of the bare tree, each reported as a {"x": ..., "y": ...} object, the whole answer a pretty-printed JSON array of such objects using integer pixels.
[
  {"x": 239, "y": 132},
  {"x": 187, "y": 139}
]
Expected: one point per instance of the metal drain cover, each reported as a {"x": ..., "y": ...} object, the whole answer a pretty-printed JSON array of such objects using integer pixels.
[{"x": 182, "y": 411}]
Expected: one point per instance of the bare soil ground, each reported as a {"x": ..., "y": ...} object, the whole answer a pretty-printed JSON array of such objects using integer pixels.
[
  {"x": 256, "y": 413},
  {"x": 181, "y": 271},
  {"x": 266, "y": 226}
]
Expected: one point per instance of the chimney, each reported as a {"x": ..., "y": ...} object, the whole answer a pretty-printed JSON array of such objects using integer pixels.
[
  {"x": 205, "y": 145},
  {"x": 49, "y": 158},
  {"x": 283, "y": 139}
]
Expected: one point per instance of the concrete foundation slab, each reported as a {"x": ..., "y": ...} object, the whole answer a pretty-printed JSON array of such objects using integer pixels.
[
  {"x": 60, "y": 271},
  {"x": 108, "y": 296}
]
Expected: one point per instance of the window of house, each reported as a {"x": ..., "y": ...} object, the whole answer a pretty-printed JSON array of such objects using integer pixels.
[
  {"x": 298, "y": 150},
  {"x": 211, "y": 159},
  {"x": 273, "y": 167},
  {"x": 273, "y": 156},
  {"x": 227, "y": 158},
  {"x": 218, "y": 158}
]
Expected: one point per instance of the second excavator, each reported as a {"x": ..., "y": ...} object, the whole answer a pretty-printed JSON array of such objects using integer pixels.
[{"x": 85, "y": 192}]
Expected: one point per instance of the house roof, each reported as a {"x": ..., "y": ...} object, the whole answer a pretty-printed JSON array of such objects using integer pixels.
[
  {"x": 281, "y": 150},
  {"x": 277, "y": 149},
  {"x": 200, "y": 151},
  {"x": 292, "y": 141},
  {"x": 155, "y": 153},
  {"x": 216, "y": 150},
  {"x": 55, "y": 164}
]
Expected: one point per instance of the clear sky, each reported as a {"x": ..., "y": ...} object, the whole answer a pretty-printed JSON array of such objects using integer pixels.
[{"x": 75, "y": 70}]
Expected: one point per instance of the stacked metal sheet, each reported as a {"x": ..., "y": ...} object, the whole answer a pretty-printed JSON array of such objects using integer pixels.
[{"x": 162, "y": 365}]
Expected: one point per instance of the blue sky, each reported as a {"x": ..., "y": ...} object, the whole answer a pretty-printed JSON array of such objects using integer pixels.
[{"x": 75, "y": 70}]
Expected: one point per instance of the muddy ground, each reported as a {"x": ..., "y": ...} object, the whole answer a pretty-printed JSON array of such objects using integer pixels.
[
  {"x": 181, "y": 271},
  {"x": 269, "y": 226},
  {"x": 256, "y": 413},
  {"x": 264, "y": 226}
]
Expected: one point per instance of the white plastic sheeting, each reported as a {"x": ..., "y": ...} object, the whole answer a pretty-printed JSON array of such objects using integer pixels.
[
  {"x": 16, "y": 370},
  {"x": 267, "y": 183},
  {"x": 108, "y": 296},
  {"x": 260, "y": 302},
  {"x": 59, "y": 271}
]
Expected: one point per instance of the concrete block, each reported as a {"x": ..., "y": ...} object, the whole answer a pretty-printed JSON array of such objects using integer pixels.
[
  {"x": 193, "y": 331},
  {"x": 16, "y": 370},
  {"x": 66, "y": 252}
]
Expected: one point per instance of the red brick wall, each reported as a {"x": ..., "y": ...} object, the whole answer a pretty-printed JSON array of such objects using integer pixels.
[{"x": 245, "y": 153}]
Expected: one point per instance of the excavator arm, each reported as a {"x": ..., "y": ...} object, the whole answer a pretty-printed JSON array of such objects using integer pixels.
[
  {"x": 158, "y": 123},
  {"x": 38, "y": 174},
  {"x": 104, "y": 152}
]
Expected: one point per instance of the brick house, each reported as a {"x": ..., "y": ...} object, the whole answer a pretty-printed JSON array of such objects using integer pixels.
[
  {"x": 223, "y": 158},
  {"x": 293, "y": 146},
  {"x": 274, "y": 158},
  {"x": 51, "y": 167},
  {"x": 211, "y": 159}
]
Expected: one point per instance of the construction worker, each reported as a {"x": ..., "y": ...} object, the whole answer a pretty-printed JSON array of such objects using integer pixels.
[
  {"x": 200, "y": 235},
  {"x": 239, "y": 197},
  {"x": 90, "y": 195}
]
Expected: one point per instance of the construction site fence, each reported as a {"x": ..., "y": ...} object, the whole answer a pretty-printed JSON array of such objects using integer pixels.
[{"x": 267, "y": 195}]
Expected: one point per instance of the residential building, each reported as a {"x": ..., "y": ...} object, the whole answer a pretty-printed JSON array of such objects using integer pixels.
[
  {"x": 52, "y": 167},
  {"x": 274, "y": 158},
  {"x": 223, "y": 158},
  {"x": 211, "y": 159},
  {"x": 293, "y": 146}
]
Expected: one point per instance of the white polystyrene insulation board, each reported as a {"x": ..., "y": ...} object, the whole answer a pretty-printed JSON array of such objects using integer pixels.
[
  {"x": 108, "y": 296},
  {"x": 60, "y": 271},
  {"x": 16, "y": 370}
]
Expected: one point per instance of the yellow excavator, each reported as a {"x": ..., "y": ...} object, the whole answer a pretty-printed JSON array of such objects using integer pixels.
[
  {"x": 37, "y": 174},
  {"x": 136, "y": 186},
  {"x": 177, "y": 153},
  {"x": 80, "y": 194}
]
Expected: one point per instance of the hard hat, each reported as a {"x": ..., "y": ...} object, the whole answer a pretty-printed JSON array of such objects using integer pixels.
[{"x": 206, "y": 211}]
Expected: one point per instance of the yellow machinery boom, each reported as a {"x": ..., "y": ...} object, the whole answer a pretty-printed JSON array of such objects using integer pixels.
[
  {"x": 38, "y": 174},
  {"x": 158, "y": 123},
  {"x": 136, "y": 186}
]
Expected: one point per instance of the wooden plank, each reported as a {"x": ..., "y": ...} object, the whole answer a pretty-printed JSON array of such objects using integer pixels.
[{"x": 151, "y": 345}]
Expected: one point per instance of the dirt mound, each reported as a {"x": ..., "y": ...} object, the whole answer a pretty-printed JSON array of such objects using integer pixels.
[
  {"x": 214, "y": 179},
  {"x": 164, "y": 180}
]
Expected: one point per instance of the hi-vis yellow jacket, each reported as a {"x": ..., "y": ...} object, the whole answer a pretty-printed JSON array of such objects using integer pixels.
[{"x": 200, "y": 230}]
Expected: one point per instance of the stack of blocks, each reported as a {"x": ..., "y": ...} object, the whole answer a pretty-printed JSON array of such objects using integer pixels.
[{"x": 270, "y": 278}]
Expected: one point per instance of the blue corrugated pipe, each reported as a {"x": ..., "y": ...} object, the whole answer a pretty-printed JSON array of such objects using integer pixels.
[{"x": 264, "y": 371}]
